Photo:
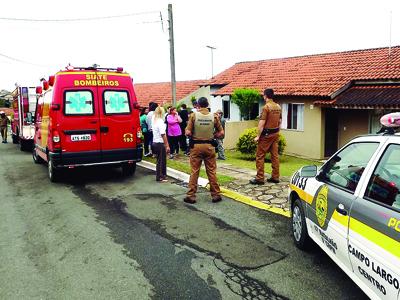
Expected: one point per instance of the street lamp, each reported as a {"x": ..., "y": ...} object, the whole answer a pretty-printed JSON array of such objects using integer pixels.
[{"x": 212, "y": 60}]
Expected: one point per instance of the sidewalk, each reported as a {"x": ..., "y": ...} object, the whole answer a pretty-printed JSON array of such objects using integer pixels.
[{"x": 269, "y": 194}]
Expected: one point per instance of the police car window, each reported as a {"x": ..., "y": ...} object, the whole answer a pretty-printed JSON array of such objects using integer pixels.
[
  {"x": 385, "y": 181},
  {"x": 346, "y": 167},
  {"x": 116, "y": 102},
  {"x": 78, "y": 103}
]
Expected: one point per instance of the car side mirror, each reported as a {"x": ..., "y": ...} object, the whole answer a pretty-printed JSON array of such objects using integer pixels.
[
  {"x": 308, "y": 171},
  {"x": 29, "y": 117}
]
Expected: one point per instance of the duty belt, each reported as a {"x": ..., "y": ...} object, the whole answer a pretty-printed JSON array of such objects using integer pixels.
[
  {"x": 202, "y": 142},
  {"x": 267, "y": 131},
  {"x": 212, "y": 142}
]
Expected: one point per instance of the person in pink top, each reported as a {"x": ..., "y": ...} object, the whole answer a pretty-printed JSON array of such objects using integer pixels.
[{"x": 174, "y": 130}]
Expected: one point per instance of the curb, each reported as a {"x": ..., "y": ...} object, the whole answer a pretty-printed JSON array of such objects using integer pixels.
[
  {"x": 173, "y": 173},
  {"x": 226, "y": 192}
]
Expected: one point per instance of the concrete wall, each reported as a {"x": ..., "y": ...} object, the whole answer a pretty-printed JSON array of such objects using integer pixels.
[
  {"x": 305, "y": 143},
  {"x": 310, "y": 141},
  {"x": 233, "y": 130},
  {"x": 352, "y": 123}
]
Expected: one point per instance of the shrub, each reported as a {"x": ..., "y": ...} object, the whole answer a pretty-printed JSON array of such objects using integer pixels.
[
  {"x": 246, "y": 144},
  {"x": 245, "y": 99}
]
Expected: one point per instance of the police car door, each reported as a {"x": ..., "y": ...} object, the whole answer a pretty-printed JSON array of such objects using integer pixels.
[
  {"x": 375, "y": 227},
  {"x": 332, "y": 201}
]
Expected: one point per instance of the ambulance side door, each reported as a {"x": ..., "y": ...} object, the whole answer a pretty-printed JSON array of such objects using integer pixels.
[
  {"x": 375, "y": 227},
  {"x": 332, "y": 202}
]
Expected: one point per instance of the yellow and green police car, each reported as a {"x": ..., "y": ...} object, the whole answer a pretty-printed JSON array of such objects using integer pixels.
[{"x": 351, "y": 208}]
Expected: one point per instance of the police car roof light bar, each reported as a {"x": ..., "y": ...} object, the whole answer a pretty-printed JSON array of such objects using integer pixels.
[{"x": 391, "y": 120}]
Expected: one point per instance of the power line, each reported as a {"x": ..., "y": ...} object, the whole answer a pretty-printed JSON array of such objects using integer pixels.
[
  {"x": 22, "y": 61},
  {"x": 79, "y": 19}
]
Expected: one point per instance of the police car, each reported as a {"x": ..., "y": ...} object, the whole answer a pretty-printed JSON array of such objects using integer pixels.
[{"x": 351, "y": 208}]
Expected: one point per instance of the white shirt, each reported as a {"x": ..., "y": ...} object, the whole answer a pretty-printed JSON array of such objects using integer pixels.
[
  {"x": 149, "y": 119},
  {"x": 159, "y": 128}
]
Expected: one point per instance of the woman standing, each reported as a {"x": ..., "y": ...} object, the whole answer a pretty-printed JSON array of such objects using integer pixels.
[
  {"x": 160, "y": 144},
  {"x": 145, "y": 131},
  {"x": 174, "y": 130}
]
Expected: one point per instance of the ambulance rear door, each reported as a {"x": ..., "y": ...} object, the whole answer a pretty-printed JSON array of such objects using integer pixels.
[
  {"x": 117, "y": 120},
  {"x": 79, "y": 126}
]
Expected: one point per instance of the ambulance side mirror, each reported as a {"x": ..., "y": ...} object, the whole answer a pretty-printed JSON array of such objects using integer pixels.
[
  {"x": 308, "y": 171},
  {"x": 29, "y": 117}
]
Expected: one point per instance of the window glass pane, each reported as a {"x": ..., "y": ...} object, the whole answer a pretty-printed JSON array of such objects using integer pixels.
[
  {"x": 116, "y": 102},
  {"x": 294, "y": 121},
  {"x": 385, "y": 182},
  {"x": 292, "y": 116},
  {"x": 78, "y": 103},
  {"x": 226, "y": 109},
  {"x": 284, "y": 107},
  {"x": 345, "y": 168},
  {"x": 289, "y": 116}
]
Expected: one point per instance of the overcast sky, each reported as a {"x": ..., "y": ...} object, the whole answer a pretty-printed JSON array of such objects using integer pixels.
[{"x": 240, "y": 30}]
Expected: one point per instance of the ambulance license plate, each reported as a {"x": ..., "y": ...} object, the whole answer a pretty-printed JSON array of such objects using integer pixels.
[{"x": 80, "y": 137}]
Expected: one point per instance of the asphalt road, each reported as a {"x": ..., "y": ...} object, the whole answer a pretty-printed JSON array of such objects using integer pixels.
[{"x": 98, "y": 235}]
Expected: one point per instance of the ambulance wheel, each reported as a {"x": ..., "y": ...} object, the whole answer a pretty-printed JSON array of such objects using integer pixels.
[
  {"x": 23, "y": 145},
  {"x": 14, "y": 139},
  {"x": 53, "y": 172},
  {"x": 299, "y": 226},
  {"x": 128, "y": 169},
  {"x": 36, "y": 158}
]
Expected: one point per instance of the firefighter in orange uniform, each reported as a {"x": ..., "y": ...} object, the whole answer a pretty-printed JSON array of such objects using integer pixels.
[
  {"x": 203, "y": 126},
  {"x": 267, "y": 138}
]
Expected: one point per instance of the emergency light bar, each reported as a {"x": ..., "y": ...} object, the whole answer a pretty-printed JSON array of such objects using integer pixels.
[
  {"x": 391, "y": 120},
  {"x": 97, "y": 68}
]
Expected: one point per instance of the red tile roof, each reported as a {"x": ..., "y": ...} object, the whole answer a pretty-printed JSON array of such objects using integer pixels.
[
  {"x": 311, "y": 75},
  {"x": 363, "y": 96},
  {"x": 161, "y": 92}
]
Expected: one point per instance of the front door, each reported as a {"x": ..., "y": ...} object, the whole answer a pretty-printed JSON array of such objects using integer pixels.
[
  {"x": 375, "y": 228},
  {"x": 331, "y": 132}
]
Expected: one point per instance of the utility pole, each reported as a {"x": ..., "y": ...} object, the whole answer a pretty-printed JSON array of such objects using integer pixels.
[
  {"x": 172, "y": 53},
  {"x": 212, "y": 60}
]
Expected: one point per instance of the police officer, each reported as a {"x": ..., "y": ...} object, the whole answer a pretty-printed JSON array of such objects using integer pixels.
[
  {"x": 267, "y": 138},
  {"x": 3, "y": 126},
  {"x": 203, "y": 126}
]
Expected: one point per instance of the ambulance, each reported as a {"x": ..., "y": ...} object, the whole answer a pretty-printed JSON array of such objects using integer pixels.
[
  {"x": 87, "y": 116},
  {"x": 350, "y": 207},
  {"x": 22, "y": 125}
]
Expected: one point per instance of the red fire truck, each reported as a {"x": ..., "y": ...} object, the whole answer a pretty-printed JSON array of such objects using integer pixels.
[{"x": 22, "y": 125}]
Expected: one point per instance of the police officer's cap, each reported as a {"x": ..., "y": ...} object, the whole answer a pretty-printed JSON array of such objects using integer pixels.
[
  {"x": 203, "y": 102},
  {"x": 269, "y": 93}
]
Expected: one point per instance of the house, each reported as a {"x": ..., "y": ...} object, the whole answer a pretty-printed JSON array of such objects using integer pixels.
[
  {"x": 161, "y": 92},
  {"x": 326, "y": 99}
]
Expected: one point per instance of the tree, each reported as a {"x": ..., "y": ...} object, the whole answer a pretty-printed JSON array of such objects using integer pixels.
[{"x": 245, "y": 99}]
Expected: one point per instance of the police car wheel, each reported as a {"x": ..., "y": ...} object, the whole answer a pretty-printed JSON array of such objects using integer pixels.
[
  {"x": 299, "y": 227},
  {"x": 53, "y": 172}
]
